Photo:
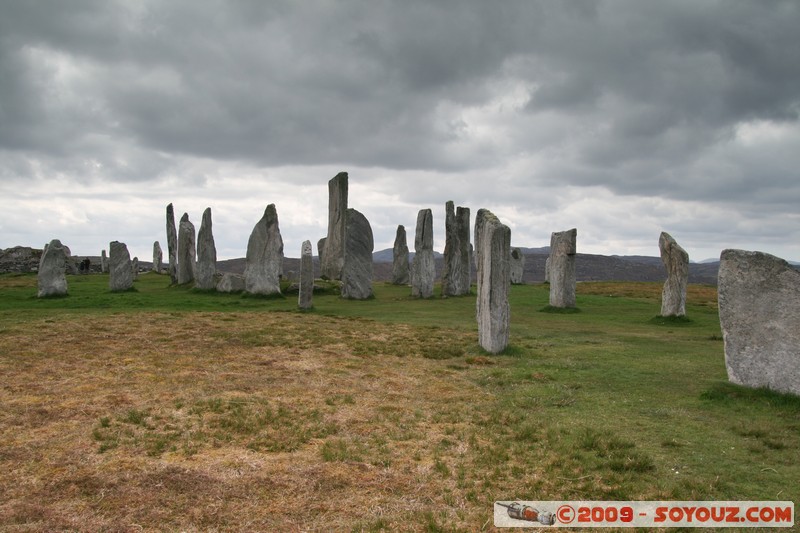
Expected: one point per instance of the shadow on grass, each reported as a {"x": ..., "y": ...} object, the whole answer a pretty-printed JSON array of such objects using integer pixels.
[
  {"x": 560, "y": 310},
  {"x": 671, "y": 320},
  {"x": 726, "y": 392}
]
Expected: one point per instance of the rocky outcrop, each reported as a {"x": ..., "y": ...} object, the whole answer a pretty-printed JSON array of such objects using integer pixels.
[
  {"x": 492, "y": 250},
  {"x": 206, "y": 255},
  {"x": 186, "y": 251},
  {"x": 357, "y": 271},
  {"x": 457, "y": 264},
  {"x": 676, "y": 261},
  {"x": 51, "y": 276},
  {"x": 562, "y": 268},
  {"x": 332, "y": 260},
  {"x": 424, "y": 265},
  {"x": 264, "y": 260},
  {"x": 759, "y": 313}
]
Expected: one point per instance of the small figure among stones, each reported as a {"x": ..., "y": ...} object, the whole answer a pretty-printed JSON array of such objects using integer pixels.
[
  {"x": 492, "y": 248},
  {"x": 517, "y": 266},
  {"x": 400, "y": 258},
  {"x": 562, "y": 268},
  {"x": 51, "y": 276},
  {"x": 676, "y": 261}
]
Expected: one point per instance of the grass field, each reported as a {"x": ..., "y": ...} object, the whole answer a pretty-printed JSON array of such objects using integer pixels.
[{"x": 170, "y": 409}]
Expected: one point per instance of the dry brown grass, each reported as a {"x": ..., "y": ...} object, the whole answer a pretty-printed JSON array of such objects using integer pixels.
[
  {"x": 248, "y": 421},
  {"x": 705, "y": 295}
]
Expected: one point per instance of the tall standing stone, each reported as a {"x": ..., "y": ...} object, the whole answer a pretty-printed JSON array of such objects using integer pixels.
[
  {"x": 51, "y": 277},
  {"x": 135, "y": 268},
  {"x": 357, "y": 271},
  {"x": 562, "y": 268},
  {"x": 676, "y": 261},
  {"x": 517, "y": 266},
  {"x": 120, "y": 267},
  {"x": 400, "y": 257},
  {"x": 158, "y": 257},
  {"x": 457, "y": 265},
  {"x": 206, "y": 254},
  {"x": 424, "y": 265},
  {"x": 333, "y": 258},
  {"x": 492, "y": 250},
  {"x": 759, "y": 312},
  {"x": 305, "y": 298},
  {"x": 172, "y": 245},
  {"x": 103, "y": 262},
  {"x": 264, "y": 261},
  {"x": 186, "y": 250},
  {"x": 321, "y": 249}
]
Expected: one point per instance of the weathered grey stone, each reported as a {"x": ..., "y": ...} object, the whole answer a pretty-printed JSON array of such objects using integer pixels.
[
  {"x": 759, "y": 312},
  {"x": 72, "y": 265},
  {"x": 547, "y": 270},
  {"x": 423, "y": 265},
  {"x": 135, "y": 268},
  {"x": 562, "y": 268},
  {"x": 51, "y": 278},
  {"x": 158, "y": 257},
  {"x": 517, "y": 266},
  {"x": 400, "y": 258},
  {"x": 172, "y": 245},
  {"x": 321, "y": 249},
  {"x": 186, "y": 250},
  {"x": 206, "y": 254},
  {"x": 231, "y": 282},
  {"x": 457, "y": 266},
  {"x": 103, "y": 262},
  {"x": 333, "y": 257},
  {"x": 120, "y": 268},
  {"x": 357, "y": 271},
  {"x": 492, "y": 250},
  {"x": 264, "y": 261},
  {"x": 305, "y": 297},
  {"x": 676, "y": 261}
]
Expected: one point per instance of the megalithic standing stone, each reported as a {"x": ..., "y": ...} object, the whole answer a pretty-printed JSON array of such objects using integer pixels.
[
  {"x": 517, "y": 266},
  {"x": 492, "y": 250},
  {"x": 457, "y": 264},
  {"x": 172, "y": 245},
  {"x": 562, "y": 268},
  {"x": 51, "y": 277},
  {"x": 357, "y": 271},
  {"x": 333, "y": 256},
  {"x": 264, "y": 261},
  {"x": 400, "y": 257},
  {"x": 187, "y": 252},
  {"x": 158, "y": 257},
  {"x": 305, "y": 298},
  {"x": 676, "y": 261},
  {"x": 206, "y": 254},
  {"x": 103, "y": 262},
  {"x": 424, "y": 266},
  {"x": 120, "y": 268}
]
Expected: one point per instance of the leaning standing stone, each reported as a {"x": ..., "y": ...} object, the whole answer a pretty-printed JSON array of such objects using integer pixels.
[
  {"x": 157, "y": 257},
  {"x": 400, "y": 257},
  {"x": 676, "y": 261},
  {"x": 172, "y": 244},
  {"x": 759, "y": 312},
  {"x": 562, "y": 268},
  {"x": 305, "y": 298},
  {"x": 186, "y": 250},
  {"x": 333, "y": 258},
  {"x": 120, "y": 269},
  {"x": 206, "y": 254},
  {"x": 357, "y": 271},
  {"x": 51, "y": 278},
  {"x": 424, "y": 266},
  {"x": 457, "y": 266},
  {"x": 517, "y": 266},
  {"x": 492, "y": 249},
  {"x": 264, "y": 260}
]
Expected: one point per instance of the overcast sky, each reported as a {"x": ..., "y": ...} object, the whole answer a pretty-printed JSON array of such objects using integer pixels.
[{"x": 620, "y": 118}]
